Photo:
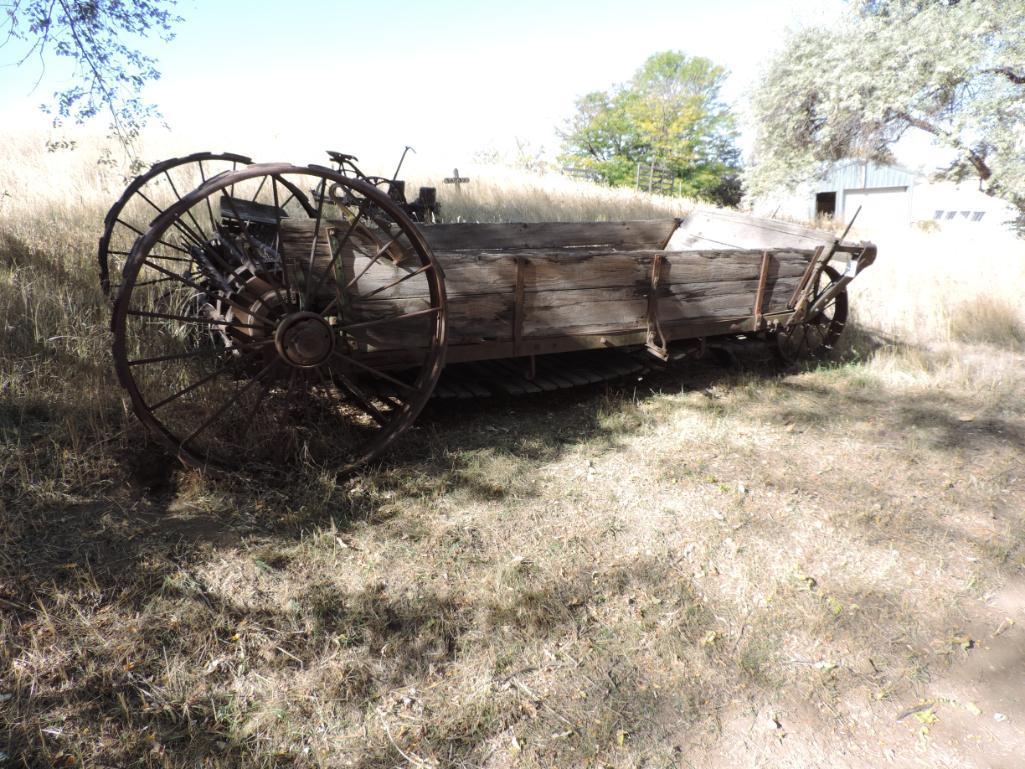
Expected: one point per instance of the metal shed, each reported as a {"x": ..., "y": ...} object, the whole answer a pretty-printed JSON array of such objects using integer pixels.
[{"x": 884, "y": 193}]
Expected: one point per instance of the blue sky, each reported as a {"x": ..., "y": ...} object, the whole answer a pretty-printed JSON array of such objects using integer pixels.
[{"x": 286, "y": 80}]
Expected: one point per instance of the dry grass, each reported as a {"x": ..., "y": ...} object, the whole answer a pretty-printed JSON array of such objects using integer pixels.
[
  {"x": 501, "y": 194},
  {"x": 618, "y": 576}
]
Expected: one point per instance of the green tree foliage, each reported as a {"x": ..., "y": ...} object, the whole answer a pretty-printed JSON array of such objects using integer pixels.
[
  {"x": 952, "y": 69},
  {"x": 97, "y": 37},
  {"x": 669, "y": 114}
]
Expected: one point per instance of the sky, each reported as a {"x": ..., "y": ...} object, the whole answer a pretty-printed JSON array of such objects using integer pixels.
[{"x": 285, "y": 81}]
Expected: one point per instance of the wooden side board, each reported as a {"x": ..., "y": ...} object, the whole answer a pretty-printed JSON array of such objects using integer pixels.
[
  {"x": 624, "y": 236},
  {"x": 483, "y": 318},
  {"x": 722, "y": 228},
  {"x": 548, "y": 270},
  {"x": 499, "y": 295}
]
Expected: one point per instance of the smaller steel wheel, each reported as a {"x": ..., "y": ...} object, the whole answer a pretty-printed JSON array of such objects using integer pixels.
[
  {"x": 148, "y": 196},
  {"x": 816, "y": 337},
  {"x": 252, "y": 331}
]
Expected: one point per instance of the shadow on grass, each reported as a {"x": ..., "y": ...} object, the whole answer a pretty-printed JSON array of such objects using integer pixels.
[{"x": 99, "y": 594}]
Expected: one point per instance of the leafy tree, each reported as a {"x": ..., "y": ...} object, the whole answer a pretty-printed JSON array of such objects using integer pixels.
[
  {"x": 953, "y": 70},
  {"x": 669, "y": 114},
  {"x": 96, "y": 36}
]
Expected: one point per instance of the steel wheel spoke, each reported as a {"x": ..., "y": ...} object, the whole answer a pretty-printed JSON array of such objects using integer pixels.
[
  {"x": 137, "y": 231},
  {"x": 361, "y": 399},
  {"x": 162, "y": 358},
  {"x": 382, "y": 321},
  {"x": 188, "y": 211},
  {"x": 152, "y": 282},
  {"x": 256, "y": 407},
  {"x": 213, "y": 375},
  {"x": 230, "y": 402},
  {"x": 182, "y": 228},
  {"x": 375, "y": 372},
  {"x": 373, "y": 261},
  {"x": 192, "y": 319},
  {"x": 157, "y": 256},
  {"x": 336, "y": 252},
  {"x": 394, "y": 283},
  {"x": 313, "y": 246},
  {"x": 286, "y": 278}
]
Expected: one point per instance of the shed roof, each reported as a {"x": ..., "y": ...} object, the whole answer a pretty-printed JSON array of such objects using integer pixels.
[{"x": 861, "y": 174}]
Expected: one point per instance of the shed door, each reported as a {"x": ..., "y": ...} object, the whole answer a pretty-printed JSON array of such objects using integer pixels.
[{"x": 881, "y": 207}]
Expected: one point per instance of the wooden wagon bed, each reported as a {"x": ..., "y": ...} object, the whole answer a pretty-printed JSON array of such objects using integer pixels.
[
  {"x": 279, "y": 313},
  {"x": 517, "y": 289}
]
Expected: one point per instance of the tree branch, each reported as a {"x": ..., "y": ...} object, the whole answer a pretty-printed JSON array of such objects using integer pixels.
[
  {"x": 978, "y": 161},
  {"x": 106, "y": 93},
  {"x": 1010, "y": 74}
]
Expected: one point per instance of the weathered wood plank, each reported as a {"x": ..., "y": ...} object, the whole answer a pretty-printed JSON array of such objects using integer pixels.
[
  {"x": 493, "y": 270},
  {"x": 549, "y": 271},
  {"x": 490, "y": 317},
  {"x": 509, "y": 235},
  {"x": 721, "y": 228}
]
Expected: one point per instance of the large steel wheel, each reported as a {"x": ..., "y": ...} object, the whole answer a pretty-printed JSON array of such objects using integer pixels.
[
  {"x": 251, "y": 331},
  {"x": 816, "y": 337},
  {"x": 148, "y": 196}
]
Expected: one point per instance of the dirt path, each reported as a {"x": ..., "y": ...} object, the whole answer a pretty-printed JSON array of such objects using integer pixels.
[{"x": 970, "y": 717}]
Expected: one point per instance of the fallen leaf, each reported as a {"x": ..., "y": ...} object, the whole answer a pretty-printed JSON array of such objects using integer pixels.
[
  {"x": 916, "y": 709},
  {"x": 1005, "y": 624},
  {"x": 711, "y": 637},
  {"x": 964, "y": 641},
  {"x": 927, "y": 716},
  {"x": 972, "y": 708}
]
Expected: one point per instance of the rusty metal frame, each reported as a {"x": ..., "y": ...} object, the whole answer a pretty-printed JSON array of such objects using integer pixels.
[
  {"x": 763, "y": 278},
  {"x": 519, "y": 295},
  {"x": 431, "y": 359},
  {"x": 803, "y": 303},
  {"x": 655, "y": 340}
]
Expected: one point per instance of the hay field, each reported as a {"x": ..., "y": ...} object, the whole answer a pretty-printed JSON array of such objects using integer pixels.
[{"x": 709, "y": 567}]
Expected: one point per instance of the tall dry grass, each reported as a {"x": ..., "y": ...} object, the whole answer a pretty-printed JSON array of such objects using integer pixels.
[
  {"x": 929, "y": 288},
  {"x": 500, "y": 194},
  {"x": 620, "y": 578},
  {"x": 926, "y": 289}
]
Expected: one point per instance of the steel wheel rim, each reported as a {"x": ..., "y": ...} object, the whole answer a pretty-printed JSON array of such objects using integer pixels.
[
  {"x": 177, "y": 176},
  {"x": 277, "y": 367},
  {"x": 815, "y": 337}
]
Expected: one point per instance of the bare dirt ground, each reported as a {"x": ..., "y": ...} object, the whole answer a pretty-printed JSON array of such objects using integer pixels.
[{"x": 709, "y": 567}]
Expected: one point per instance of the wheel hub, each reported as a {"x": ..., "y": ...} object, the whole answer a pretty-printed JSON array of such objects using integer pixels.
[{"x": 304, "y": 340}]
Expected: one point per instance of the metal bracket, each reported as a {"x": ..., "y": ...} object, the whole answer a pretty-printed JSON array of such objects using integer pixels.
[
  {"x": 763, "y": 277},
  {"x": 806, "y": 304},
  {"x": 518, "y": 300},
  {"x": 656, "y": 341}
]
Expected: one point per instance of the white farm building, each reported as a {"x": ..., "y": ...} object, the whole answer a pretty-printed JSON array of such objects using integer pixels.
[{"x": 890, "y": 196}]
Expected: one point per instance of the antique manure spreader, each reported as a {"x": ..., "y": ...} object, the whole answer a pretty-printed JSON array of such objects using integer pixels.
[{"x": 277, "y": 313}]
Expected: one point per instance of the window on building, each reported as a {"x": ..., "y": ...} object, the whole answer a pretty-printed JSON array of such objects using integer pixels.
[
  {"x": 951, "y": 214},
  {"x": 938, "y": 215},
  {"x": 977, "y": 216}
]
